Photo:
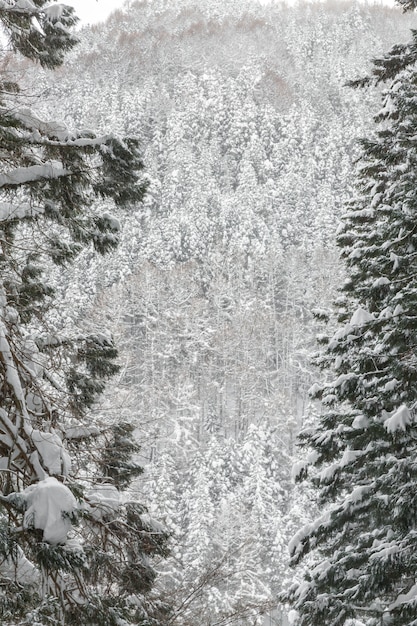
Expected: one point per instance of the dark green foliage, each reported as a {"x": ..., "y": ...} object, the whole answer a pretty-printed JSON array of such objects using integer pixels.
[
  {"x": 71, "y": 550},
  {"x": 365, "y": 444},
  {"x": 47, "y": 46},
  {"x": 117, "y": 461},
  {"x": 399, "y": 58}
]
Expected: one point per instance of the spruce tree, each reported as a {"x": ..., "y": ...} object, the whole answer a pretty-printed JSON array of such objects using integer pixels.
[
  {"x": 362, "y": 550},
  {"x": 75, "y": 548}
]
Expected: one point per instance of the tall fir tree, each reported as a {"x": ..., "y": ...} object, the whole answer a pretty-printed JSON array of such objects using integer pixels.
[
  {"x": 75, "y": 548},
  {"x": 362, "y": 549}
]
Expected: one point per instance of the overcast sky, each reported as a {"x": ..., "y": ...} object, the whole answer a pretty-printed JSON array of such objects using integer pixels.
[{"x": 91, "y": 11}]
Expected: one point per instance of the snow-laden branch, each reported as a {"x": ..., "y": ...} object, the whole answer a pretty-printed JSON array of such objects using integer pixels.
[
  {"x": 10, "y": 211},
  {"x": 33, "y": 173},
  {"x": 52, "y": 13}
]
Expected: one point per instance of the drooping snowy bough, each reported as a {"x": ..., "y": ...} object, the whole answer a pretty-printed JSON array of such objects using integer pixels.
[
  {"x": 363, "y": 547},
  {"x": 74, "y": 547}
]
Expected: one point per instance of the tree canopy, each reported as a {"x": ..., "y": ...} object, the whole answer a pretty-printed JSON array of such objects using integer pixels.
[
  {"x": 362, "y": 548},
  {"x": 75, "y": 547}
]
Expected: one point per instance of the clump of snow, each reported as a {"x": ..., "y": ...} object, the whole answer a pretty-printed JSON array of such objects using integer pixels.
[
  {"x": 293, "y": 617},
  {"x": 300, "y": 466},
  {"x": 21, "y": 175},
  {"x": 315, "y": 389},
  {"x": 104, "y": 501},
  {"x": 25, "y": 6},
  {"x": 395, "y": 261},
  {"x": 11, "y": 210},
  {"x": 344, "y": 378},
  {"x": 51, "y": 128},
  {"x": 20, "y": 569},
  {"x": 81, "y": 432},
  {"x": 328, "y": 473},
  {"x": 111, "y": 222},
  {"x": 380, "y": 282},
  {"x": 360, "y": 421},
  {"x": 360, "y": 317},
  {"x": 399, "y": 419},
  {"x": 386, "y": 313},
  {"x": 54, "y": 456},
  {"x": 349, "y": 456},
  {"x": 49, "y": 505},
  {"x": 403, "y": 598},
  {"x": 384, "y": 550},
  {"x": 357, "y": 495},
  {"x": 391, "y": 384},
  {"x": 54, "y": 12}
]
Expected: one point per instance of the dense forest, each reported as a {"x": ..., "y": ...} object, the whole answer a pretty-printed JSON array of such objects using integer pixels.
[{"x": 225, "y": 273}]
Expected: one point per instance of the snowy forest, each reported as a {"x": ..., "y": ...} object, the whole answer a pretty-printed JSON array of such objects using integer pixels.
[{"x": 207, "y": 293}]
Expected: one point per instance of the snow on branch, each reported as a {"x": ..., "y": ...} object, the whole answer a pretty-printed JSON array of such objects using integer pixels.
[
  {"x": 49, "y": 507},
  {"x": 10, "y": 211},
  {"x": 33, "y": 173},
  {"x": 399, "y": 419}
]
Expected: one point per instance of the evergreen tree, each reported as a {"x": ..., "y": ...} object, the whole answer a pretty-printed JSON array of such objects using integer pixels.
[
  {"x": 364, "y": 447},
  {"x": 74, "y": 549}
]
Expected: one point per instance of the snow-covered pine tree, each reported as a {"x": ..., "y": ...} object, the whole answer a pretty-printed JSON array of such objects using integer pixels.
[
  {"x": 362, "y": 550},
  {"x": 74, "y": 548}
]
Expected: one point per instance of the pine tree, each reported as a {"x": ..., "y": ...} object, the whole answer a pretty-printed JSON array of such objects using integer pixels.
[
  {"x": 364, "y": 448},
  {"x": 74, "y": 547}
]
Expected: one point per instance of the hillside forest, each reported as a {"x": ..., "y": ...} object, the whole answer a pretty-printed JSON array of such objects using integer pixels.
[{"x": 225, "y": 274}]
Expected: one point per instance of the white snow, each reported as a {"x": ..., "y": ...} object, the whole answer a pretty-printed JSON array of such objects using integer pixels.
[
  {"x": 24, "y": 6},
  {"x": 49, "y": 503},
  {"x": 314, "y": 389},
  {"x": 10, "y": 210},
  {"x": 51, "y": 128},
  {"x": 104, "y": 501},
  {"x": 293, "y": 617},
  {"x": 357, "y": 495},
  {"x": 395, "y": 260},
  {"x": 399, "y": 419},
  {"x": 391, "y": 384},
  {"x": 384, "y": 550},
  {"x": 53, "y": 454},
  {"x": 80, "y": 432},
  {"x": 405, "y": 597},
  {"x": 380, "y": 282},
  {"x": 327, "y": 474},
  {"x": 349, "y": 456},
  {"x": 22, "y": 175},
  {"x": 54, "y": 12},
  {"x": 20, "y": 569},
  {"x": 360, "y": 421},
  {"x": 294, "y": 544},
  {"x": 343, "y": 378},
  {"x": 360, "y": 317},
  {"x": 300, "y": 466},
  {"x": 385, "y": 313}
]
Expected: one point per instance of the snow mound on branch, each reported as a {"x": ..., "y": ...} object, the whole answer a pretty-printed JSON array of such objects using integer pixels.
[
  {"x": 49, "y": 505},
  {"x": 54, "y": 12},
  {"x": 293, "y": 617},
  {"x": 54, "y": 456},
  {"x": 20, "y": 569},
  {"x": 399, "y": 420},
  {"x": 405, "y": 598},
  {"x": 360, "y": 421},
  {"x": 104, "y": 501},
  {"x": 361, "y": 316}
]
